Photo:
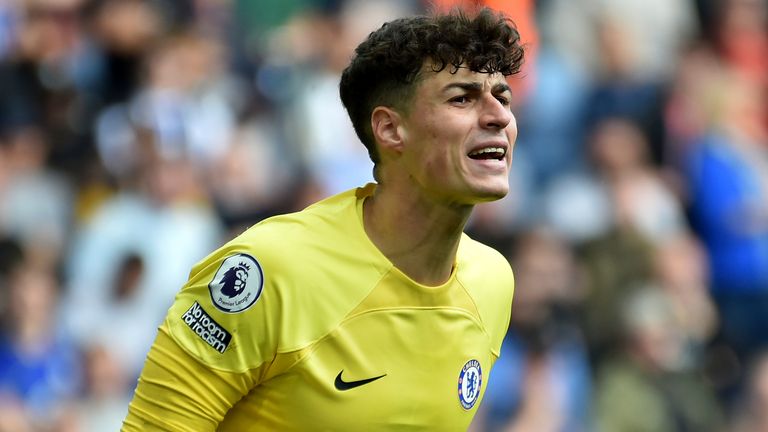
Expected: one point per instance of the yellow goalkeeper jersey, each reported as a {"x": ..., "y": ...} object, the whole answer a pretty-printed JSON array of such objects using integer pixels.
[{"x": 302, "y": 324}]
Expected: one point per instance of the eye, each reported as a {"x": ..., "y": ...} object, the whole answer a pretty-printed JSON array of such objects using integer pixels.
[
  {"x": 459, "y": 99},
  {"x": 504, "y": 101}
]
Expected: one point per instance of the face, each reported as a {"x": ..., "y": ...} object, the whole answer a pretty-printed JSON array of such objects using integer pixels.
[{"x": 458, "y": 136}]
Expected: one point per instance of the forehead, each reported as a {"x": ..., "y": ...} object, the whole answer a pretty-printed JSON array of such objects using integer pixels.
[{"x": 432, "y": 81}]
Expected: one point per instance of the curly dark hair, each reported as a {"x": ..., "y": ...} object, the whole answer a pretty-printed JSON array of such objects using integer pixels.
[{"x": 387, "y": 65}]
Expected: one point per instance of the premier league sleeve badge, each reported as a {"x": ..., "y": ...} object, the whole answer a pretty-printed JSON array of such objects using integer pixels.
[{"x": 237, "y": 284}]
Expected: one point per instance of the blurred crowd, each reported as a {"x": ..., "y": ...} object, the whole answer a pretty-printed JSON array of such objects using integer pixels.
[{"x": 136, "y": 136}]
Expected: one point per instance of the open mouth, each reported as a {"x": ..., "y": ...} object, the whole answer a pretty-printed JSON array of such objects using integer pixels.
[{"x": 488, "y": 153}]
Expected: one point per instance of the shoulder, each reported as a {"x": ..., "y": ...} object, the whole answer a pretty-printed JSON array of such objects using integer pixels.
[
  {"x": 478, "y": 261},
  {"x": 318, "y": 221},
  {"x": 294, "y": 252},
  {"x": 283, "y": 239},
  {"x": 484, "y": 272},
  {"x": 280, "y": 285}
]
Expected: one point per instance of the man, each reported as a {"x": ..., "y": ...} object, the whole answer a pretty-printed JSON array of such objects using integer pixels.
[{"x": 370, "y": 310}]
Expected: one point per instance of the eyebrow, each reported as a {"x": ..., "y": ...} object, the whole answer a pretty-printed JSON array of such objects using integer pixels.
[{"x": 476, "y": 87}]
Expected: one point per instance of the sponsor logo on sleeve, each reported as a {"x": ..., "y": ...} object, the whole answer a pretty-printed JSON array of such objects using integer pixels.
[
  {"x": 206, "y": 327},
  {"x": 237, "y": 284},
  {"x": 470, "y": 380}
]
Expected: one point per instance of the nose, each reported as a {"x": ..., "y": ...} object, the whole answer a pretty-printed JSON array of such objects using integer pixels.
[{"x": 495, "y": 115}]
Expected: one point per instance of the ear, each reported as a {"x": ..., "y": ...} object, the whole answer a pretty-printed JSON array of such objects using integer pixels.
[{"x": 386, "y": 125}]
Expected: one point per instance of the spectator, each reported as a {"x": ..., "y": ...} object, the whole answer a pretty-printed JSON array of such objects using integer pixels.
[
  {"x": 105, "y": 397},
  {"x": 649, "y": 385},
  {"x": 155, "y": 223},
  {"x": 727, "y": 175},
  {"x": 621, "y": 191},
  {"x": 39, "y": 366},
  {"x": 35, "y": 200}
]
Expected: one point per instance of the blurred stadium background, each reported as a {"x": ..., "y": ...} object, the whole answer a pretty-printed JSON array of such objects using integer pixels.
[{"x": 138, "y": 135}]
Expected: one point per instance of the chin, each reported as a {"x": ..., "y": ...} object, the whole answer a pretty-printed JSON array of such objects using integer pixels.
[
  {"x": 492, "y": 197},
  {"x": 488, "y": 194},
  {"x": 484, "y": 188}
]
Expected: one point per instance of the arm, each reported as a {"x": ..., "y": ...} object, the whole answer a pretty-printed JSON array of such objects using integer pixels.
[
  {"x": 215, "y": 345},
  {"x": 178, "y": 393}
]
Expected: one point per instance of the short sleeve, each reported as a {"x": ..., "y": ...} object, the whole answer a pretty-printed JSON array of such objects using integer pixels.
[
  {"x": 213, "y": 348},
  {"x": 222, "y": 315}
]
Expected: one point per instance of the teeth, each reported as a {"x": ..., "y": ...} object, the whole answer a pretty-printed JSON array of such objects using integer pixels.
[{"x": 487, "y": 150}]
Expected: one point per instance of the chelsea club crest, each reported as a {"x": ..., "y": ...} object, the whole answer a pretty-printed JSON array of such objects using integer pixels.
[
  {"x": 470, "y": 380},
  {"x": 237, "y": 284}
]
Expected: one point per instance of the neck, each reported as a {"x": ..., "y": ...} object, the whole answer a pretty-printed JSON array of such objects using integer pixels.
[{"x": 420, "y": 237}]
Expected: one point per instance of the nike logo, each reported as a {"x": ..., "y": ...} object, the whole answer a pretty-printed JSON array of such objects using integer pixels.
[{"x": 347, "y": 385}]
